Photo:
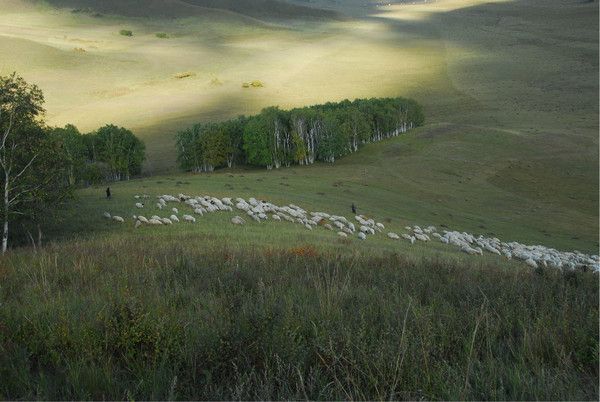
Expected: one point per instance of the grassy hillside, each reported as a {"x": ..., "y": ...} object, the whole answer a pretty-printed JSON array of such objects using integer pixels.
[
  {"x": 127, "y": 318},
  {"x": 178, "y": 8}
]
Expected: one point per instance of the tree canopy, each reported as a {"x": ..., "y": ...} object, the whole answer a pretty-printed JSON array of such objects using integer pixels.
[{"x": 276, "y": 137}]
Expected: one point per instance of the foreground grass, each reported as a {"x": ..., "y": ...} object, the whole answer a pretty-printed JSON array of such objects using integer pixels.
[{"x": 188, "y": 317}]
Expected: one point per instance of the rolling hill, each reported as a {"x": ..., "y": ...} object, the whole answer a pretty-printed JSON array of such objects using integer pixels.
[{"x": 260, "y": 9}]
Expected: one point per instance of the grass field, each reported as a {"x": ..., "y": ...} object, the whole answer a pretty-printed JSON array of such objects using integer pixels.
[
  {"x": 126, "y": 318},
  {"x": 272, "y": 310}
]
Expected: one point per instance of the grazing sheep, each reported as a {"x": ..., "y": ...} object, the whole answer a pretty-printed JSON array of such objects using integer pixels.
[
  {"x": 393, "y": 236},
  {"x": 142, "y": 219},
  {"x": 410, "y": 238},
  {"x": 107, "y": 215},
  {"x": 156, "y": 222},
  {"x": 362, "y": 236},
  {"x": 422, "y": 237},
  {"x": 139, "y": 205},
  {"x": 276, "y": 217},
  {"x": 531, "y": 262},
  {"x": 159, "y": 206},
  {"x": 174, "y": 218},
  {"x": 118, "y": 219},
  {"x": 167, "y": 221},
  {"x": 468, "y": 250},
  {"x": 189, "y": 218},
  {"x": 175, "y": 210},
  {"x": 342, "y": 234},
  {"x": 237, "y": 220},
  {"x": 138, "y": 224}
]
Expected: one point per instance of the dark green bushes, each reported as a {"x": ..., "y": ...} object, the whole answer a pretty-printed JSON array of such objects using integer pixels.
[
  {"x": 125, "y": 32},
  {"x": 127, "y": 319},
  {"x": 109, "y": 154},
  {"x": 276, "y": 138}
]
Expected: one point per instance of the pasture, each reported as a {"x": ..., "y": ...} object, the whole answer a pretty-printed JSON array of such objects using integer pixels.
[{"x": 273, "y": 310}]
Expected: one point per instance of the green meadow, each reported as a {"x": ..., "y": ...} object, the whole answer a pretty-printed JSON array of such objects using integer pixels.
[{"x": 272, "y": 310}]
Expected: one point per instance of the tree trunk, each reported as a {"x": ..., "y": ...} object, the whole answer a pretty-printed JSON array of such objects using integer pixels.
[
  {"x": 5, "y": 236},
  {"x": 5, "y": 232},
  {"x": 39, "y": 228}
]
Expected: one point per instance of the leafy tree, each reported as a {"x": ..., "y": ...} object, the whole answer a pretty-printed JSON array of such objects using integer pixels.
[
  {"x": 75, "y": 148},
  {"x": 122, "y": 151},
  {"x": 275, "y": 137},
  {"x": 32, "y": 162}
]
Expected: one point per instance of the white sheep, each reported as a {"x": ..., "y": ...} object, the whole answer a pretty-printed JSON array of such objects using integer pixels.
[
  {"x": 237, "y": 220},
  {"x": 175, "y": 211},
  {"x": 167, "y": 221},
  {"x": 174, "y": 218},
  {"x": 422, "y": 237},
  {"x": 342, "y": 234},
  {"x": 138, "y": 224},
  {"x": 107, "y": 215},
  {"x": 362, "y": 236},
  {"x": 156, "y": 222},
  {"x": 394, "y": 236},
  {"x": 118, "y": 219},
  {"x": 139, "y": 205},
  {"x": 189, "y": 218},
  {"x": 142, "y": 219}
]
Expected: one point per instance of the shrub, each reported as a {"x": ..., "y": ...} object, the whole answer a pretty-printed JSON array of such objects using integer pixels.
[
  {"x": 126, "y": 32},
  {"x": 162, "y": 35}
]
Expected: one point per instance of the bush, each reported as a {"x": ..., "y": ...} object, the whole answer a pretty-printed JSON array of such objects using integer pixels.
[
  {"x": 126, "y": 32},
  {"x": 162, "y": 35}
]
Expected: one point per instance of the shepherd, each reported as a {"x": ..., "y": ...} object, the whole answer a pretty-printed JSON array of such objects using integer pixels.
[
  {"x": 353, "y": 209},
  {"x": 108, "y": 193}
]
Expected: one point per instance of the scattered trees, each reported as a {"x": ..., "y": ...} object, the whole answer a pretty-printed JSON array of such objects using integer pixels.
[
  {"x": 29, "y": 161},
  {"x": 39, "y": 166},
  {"x": 276, "y": 138},
  {"x": 208, "y": 146}
]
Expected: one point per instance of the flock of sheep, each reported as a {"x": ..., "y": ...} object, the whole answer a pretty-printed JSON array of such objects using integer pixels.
[{"x": 533, "y": 256}]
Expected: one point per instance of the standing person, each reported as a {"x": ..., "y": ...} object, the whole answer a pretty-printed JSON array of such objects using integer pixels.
[
  {"x": 353, "y": 209},
  {"x": 108, "y": 195}
]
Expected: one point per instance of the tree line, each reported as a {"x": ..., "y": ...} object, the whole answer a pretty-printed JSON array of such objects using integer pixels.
[
  {"x": 40, "y": 166},
  {"x": 302, "y": 136}
]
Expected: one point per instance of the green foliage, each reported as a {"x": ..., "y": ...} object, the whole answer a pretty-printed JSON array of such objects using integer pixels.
[
  {"x": 32, "y": 163},
  {"x": 124, "y": 317},
  {"x": 276, "y": 138},
  {"x": 120, "y": 149},
  {"x": 162, "y": 35},
  {"x": 126, "y": 32},
  {"x": 205, "y": 147}
]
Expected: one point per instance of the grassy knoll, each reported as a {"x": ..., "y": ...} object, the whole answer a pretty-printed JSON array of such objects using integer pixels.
[
  {"x": 127, "y": 318},
  {"x": 398, "y": 181},
  {"x": 511, "y": 144}
]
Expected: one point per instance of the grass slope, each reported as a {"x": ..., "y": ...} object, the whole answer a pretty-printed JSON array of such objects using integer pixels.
[
  {"x": 178, "y": 8},
  {"x": 128, "y": 318}
]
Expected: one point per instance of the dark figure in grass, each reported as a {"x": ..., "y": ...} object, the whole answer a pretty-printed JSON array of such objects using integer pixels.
[
  {"x": 353, "y": 209},
  {"x": 108, "y": 195}
]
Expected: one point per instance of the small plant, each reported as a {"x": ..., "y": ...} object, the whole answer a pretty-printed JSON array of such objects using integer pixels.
[
  {"x": 253, "y": 84},
  {"x": 187, "y": 74},
  {"x": 126, "y": 32},
  {"x": 162, "y": 35},
  {"x": 216, "y": 82}
]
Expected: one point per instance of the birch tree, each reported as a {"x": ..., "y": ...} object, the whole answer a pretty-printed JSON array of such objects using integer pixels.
[{"x": 20, "y": 107}]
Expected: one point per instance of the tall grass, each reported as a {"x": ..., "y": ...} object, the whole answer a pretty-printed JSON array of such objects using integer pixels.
[{"x": 186, "y": 318}]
